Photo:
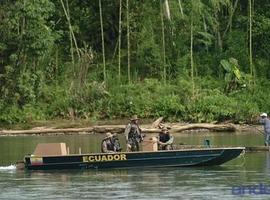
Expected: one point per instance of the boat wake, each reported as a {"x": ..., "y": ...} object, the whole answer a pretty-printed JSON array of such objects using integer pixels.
[{"x": 7, "y": 168}]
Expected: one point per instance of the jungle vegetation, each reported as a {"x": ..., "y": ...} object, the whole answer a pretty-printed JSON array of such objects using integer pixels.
[{"x": 186, "y": 60}]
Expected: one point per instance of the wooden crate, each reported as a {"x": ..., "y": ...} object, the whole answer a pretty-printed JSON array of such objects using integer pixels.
[
  {"x": 150, "y": 144},
  {"x": 50, "y": 149}
]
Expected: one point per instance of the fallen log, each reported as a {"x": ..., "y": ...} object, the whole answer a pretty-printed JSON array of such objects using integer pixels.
[
  {"x": 45, "y": 131},
  {"x": 109, "y": 128},
  {"x": 119, "y": 129},
  {"x": 156, "y": 123},
  {"x": 257, "y": 149},
  {"x": 208, "y": 126}
]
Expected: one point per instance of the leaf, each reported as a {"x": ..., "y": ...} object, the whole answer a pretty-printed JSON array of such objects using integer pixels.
[
  {"x": 228, "y": 77},
  {"x": 206, "y": 39},
  {"x": 206, "y": 35},
  {"x": 237, "y": 73},
  {"x": 226, "y": 65},
  {"x": 234, "y": 61}
]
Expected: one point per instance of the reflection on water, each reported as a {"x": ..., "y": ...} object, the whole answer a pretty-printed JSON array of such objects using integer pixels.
[
  {"x": 267, "y": 163},
  {"x": 171, "y": 183},
  {"x": 8, "y": 168}
]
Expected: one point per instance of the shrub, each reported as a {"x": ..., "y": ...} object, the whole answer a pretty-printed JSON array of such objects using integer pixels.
[{"x": 209, "y": 108}]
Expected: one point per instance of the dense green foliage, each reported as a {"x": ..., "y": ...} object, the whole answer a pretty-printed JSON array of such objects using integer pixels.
[{"x": 189, "y": 60}]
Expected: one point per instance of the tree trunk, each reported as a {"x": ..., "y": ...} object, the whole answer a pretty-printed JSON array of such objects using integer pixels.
[
  {"x": 70, "y": 27},
  {"x": 119, "y": 41},
  {"x": 191, "y": 57},
  {"x": 163, "y": 42},
  {"x": 208, "y": 126},
  {"x": 229, "y": 25},
  {"x": 250, "y": 41},
  {"x": 168, "y": 13},
  {"x": 128, "y": 43},
  {"x": 181, "y": 8},
  {"x": 71, "y": 41},
  {"x": 219, "y": 39},
  {"x": 102, "y": 40}
]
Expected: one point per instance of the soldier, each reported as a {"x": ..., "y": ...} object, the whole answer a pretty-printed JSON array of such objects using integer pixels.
[
  {"x": 165, "y": 140},
  {"x": 116, "y": 143},
  {"x": 133, "y": 134},
  {"x": 266, "y": 124},
  {"x": 108, "y": 144}
]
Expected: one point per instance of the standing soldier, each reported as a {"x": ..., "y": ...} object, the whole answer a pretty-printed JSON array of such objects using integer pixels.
[
  {"x": 133, "y": 134},
  {"x": 266, "y": 124}
]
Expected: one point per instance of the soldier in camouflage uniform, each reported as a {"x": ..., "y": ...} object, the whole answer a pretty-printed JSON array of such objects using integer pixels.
[
  {"x": 107, "y": 144},
  {"x": 110, "y": 144},
  {"x": 133, "y": 134},
  {"x": 165, "y": 139}
]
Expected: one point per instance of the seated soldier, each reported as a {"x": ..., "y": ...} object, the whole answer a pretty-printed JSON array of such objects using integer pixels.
[
  {"x": 165, "y": 140},
  {"x": 116, "y": 143},
  {"x": 108, "y": 144}
]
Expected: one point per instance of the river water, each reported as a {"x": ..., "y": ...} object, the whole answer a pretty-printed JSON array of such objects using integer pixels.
[{"x": 247, "y": 177}]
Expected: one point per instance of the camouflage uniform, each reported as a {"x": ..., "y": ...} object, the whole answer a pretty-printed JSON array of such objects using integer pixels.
[
  {"x": 107, "y": 146},
  {"x": 133, "y": 136},
  {"x": 110, "y": 144},
  {"x": 165, "y": 140}
]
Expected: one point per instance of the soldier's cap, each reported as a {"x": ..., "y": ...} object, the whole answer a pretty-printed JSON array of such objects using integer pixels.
[
  {"x": 263, "y": 115},
  {"x": 134, "y": 117}
]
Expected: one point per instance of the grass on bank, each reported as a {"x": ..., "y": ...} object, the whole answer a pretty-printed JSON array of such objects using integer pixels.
[{"x": 96, "y": 103}]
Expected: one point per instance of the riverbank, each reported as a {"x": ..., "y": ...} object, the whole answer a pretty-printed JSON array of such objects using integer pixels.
[{"x": 118, "y": 126}]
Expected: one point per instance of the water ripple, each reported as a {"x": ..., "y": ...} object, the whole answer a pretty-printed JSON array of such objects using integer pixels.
[{"x": 8, "y": 168}]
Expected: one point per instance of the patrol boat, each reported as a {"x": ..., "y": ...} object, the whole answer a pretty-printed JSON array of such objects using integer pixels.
[{"x": 55, "y": 156}]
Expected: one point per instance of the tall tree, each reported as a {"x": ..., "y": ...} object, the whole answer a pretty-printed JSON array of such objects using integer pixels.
[
  {"x": 102, "y": 41},
  {"x": 119, "y": 41},
  {"x": 128, "y": 43},
  {"x": 26, "y": 39},
  {"x": 196, "y": 7},
  {"x": 250, "y": 41},
  {"x": 215, "y": 14},
  {"x": 181, "y": 7},
  {"x": 232, "y": 10},
  {"x": 191, "y": 54},
  {"x": 66, "y": 11},
  {"x": 163, "y": 40}
]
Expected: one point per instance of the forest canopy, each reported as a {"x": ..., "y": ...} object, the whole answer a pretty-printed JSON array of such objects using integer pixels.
[{"x": 186, "y": 60}]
